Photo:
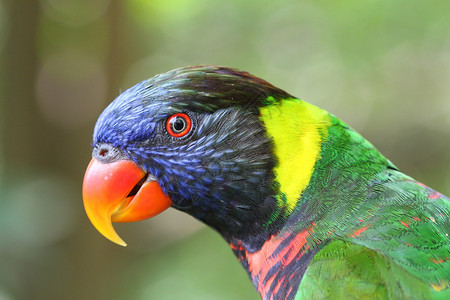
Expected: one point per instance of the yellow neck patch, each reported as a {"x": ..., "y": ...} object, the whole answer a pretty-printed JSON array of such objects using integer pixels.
[{"x": 297, "y": 129}]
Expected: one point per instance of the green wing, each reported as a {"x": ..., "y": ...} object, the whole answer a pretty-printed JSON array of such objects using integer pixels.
[
  {"x": 402, "y": 251},
  {"x": 347, "y": 271},
  {"x": 389, "y": 234}
]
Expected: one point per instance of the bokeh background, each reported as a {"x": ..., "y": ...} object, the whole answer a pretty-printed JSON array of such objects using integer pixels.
[{"x": 381, "y": 65}]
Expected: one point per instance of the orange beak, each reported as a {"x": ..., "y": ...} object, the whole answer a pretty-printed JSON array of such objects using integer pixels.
[{"x": 120, "y": 192}]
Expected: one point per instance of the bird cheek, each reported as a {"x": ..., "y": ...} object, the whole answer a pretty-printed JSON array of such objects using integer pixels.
[{"x": 120, "y": 192}]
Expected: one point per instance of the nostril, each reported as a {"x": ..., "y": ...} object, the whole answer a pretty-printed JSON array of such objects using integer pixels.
[
  {"x": 103, "y": 152},
  {"x": 106, "y": 153}
]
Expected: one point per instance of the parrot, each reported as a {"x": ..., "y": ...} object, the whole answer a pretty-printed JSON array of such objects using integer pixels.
[{"x": 310, "y": 208}]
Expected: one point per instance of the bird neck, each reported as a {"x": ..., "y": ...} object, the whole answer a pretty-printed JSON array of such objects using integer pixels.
[
  {"x": 320, "y": 162},
  {"x": 276, "y": 264}
]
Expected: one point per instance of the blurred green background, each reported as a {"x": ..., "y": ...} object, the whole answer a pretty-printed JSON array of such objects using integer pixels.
[{"x": 381, "y": 65}]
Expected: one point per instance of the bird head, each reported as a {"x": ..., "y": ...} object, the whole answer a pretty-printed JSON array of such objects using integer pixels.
[{"x": 192, "y": 139}]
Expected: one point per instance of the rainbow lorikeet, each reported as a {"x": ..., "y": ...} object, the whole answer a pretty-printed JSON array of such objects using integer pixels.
[{"x": 310, "y": 208}]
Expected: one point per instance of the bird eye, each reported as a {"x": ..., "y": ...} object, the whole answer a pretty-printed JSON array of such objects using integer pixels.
[{"x": 178, "y": 125}]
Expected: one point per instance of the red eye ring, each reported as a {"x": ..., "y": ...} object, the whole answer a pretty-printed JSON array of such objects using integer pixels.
[{"x": 178, "y": 125}]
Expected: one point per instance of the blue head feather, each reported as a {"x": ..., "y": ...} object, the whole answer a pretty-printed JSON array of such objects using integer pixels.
[{"x": 221, "y": 172}]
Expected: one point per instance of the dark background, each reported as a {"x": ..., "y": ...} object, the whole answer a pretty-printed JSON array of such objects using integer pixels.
[{"x": 383, "y": 66}]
